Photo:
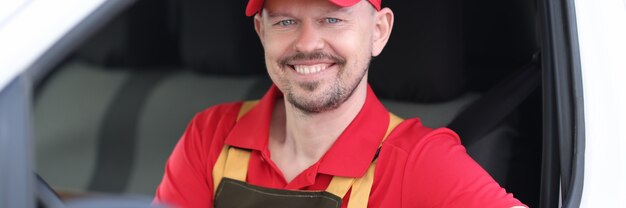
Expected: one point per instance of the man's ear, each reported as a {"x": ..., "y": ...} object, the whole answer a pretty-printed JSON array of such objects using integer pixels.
[
  {"x": 258, "y": 26},
  {"x": 383, "y": 24}
]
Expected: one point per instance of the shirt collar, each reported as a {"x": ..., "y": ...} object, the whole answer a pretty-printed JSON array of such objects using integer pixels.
[{"x": 350, "y": 155}]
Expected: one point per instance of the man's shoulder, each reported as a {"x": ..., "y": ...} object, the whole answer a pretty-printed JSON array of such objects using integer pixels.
[
  {"x": 412, "y": 135},
  {"x": 212, "y": 125},
  {"x": 219, "y": 113}
]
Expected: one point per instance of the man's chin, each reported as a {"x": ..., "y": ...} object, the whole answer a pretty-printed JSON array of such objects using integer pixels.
[
  {"x": 316, "y": 99},
  {"x": 313, "y": 106},
  {"x": 309, "y": 87},
  {"x": 313, "y": 109}
]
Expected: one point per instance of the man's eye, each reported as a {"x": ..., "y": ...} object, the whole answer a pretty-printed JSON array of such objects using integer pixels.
[
  {"x": 286, "y": 22},
  {"x": 332, "y": 20}
]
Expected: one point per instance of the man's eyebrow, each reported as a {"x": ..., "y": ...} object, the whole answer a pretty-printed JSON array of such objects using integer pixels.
[
  {"x": 346, "y": 10},
  {"x": 277, "y": 14},
  {"x": 341, "y": 10}
]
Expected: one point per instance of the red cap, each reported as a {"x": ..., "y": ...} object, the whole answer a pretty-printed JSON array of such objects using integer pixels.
[{"x": 255, "y": 6}]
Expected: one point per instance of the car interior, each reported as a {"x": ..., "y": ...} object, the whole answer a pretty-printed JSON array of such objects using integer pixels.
[{"x": 107, "y": 117}]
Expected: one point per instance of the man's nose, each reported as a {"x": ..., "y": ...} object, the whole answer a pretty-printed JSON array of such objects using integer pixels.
[{"x": 309, "y": 39}]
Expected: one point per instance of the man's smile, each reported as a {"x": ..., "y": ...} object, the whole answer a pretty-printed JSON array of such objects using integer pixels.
[
  {"x": 310, "y": 68},
  {"x": 307, "y": 64}
]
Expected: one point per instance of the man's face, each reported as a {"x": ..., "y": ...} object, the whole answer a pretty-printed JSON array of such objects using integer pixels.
[{"x": 316, "y": 52}]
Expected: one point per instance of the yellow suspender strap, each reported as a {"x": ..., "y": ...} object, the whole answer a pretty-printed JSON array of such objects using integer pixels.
[
  {"x": 360, "y": 195},
  {"x": 237, "y": 164},
  {"x": 232, "y": 163},
  {"x": 245, "y": 107},
  {"x": 236, "y": 159},
  {"x": 218, "y": 168},
  {"x": 361, "y": 187}
]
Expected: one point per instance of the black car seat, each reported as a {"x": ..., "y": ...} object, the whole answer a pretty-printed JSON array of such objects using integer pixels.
[
  {"x": 442, "y": 51},
  {"x": 502, "y": 49}
]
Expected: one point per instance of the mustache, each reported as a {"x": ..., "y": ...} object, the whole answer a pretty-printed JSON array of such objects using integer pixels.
[{"x": 299, "y": 56}]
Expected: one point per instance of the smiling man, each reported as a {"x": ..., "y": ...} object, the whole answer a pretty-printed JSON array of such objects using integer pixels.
[{"x": 320, "y": 137}]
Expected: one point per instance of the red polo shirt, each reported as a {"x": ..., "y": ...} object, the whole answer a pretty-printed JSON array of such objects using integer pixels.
[{"x": 417, "y": 166}]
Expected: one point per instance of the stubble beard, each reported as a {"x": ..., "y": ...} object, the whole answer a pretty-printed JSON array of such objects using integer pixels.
[
  {"x": 326, "y": 101},
  {"x": 330, "y": 100}
]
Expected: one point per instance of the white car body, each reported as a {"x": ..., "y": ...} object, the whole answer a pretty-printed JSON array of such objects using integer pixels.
[
  {"x": 29, "y": 28},
  {"x": 601, "y": 33}
]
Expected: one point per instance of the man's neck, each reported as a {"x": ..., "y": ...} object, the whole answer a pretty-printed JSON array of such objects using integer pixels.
[{"x": 299, "y": 140}]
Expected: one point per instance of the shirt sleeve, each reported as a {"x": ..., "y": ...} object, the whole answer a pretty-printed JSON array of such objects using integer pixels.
[
  {"x": 184, "y": 182},
  {"x": 439, "y": 173}
]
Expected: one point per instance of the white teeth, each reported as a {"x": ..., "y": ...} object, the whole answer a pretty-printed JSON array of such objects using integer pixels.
[{"x": 310, "y": 69}]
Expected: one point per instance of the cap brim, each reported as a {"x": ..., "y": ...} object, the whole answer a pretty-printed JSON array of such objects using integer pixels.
[
  {"x": 349, "y": 3},
  {"x": 344, "y": 3},
  {"x": 255, "y": 6}
]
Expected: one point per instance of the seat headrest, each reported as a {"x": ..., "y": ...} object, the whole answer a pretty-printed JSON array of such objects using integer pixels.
[
  {"x": 441, "y": 49},
  {"x": 217, "y": 37},
  {"x": 500, "y": 36},
  {"x": 424, "y": 59},
  {"x": 142, "y": 36}
]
